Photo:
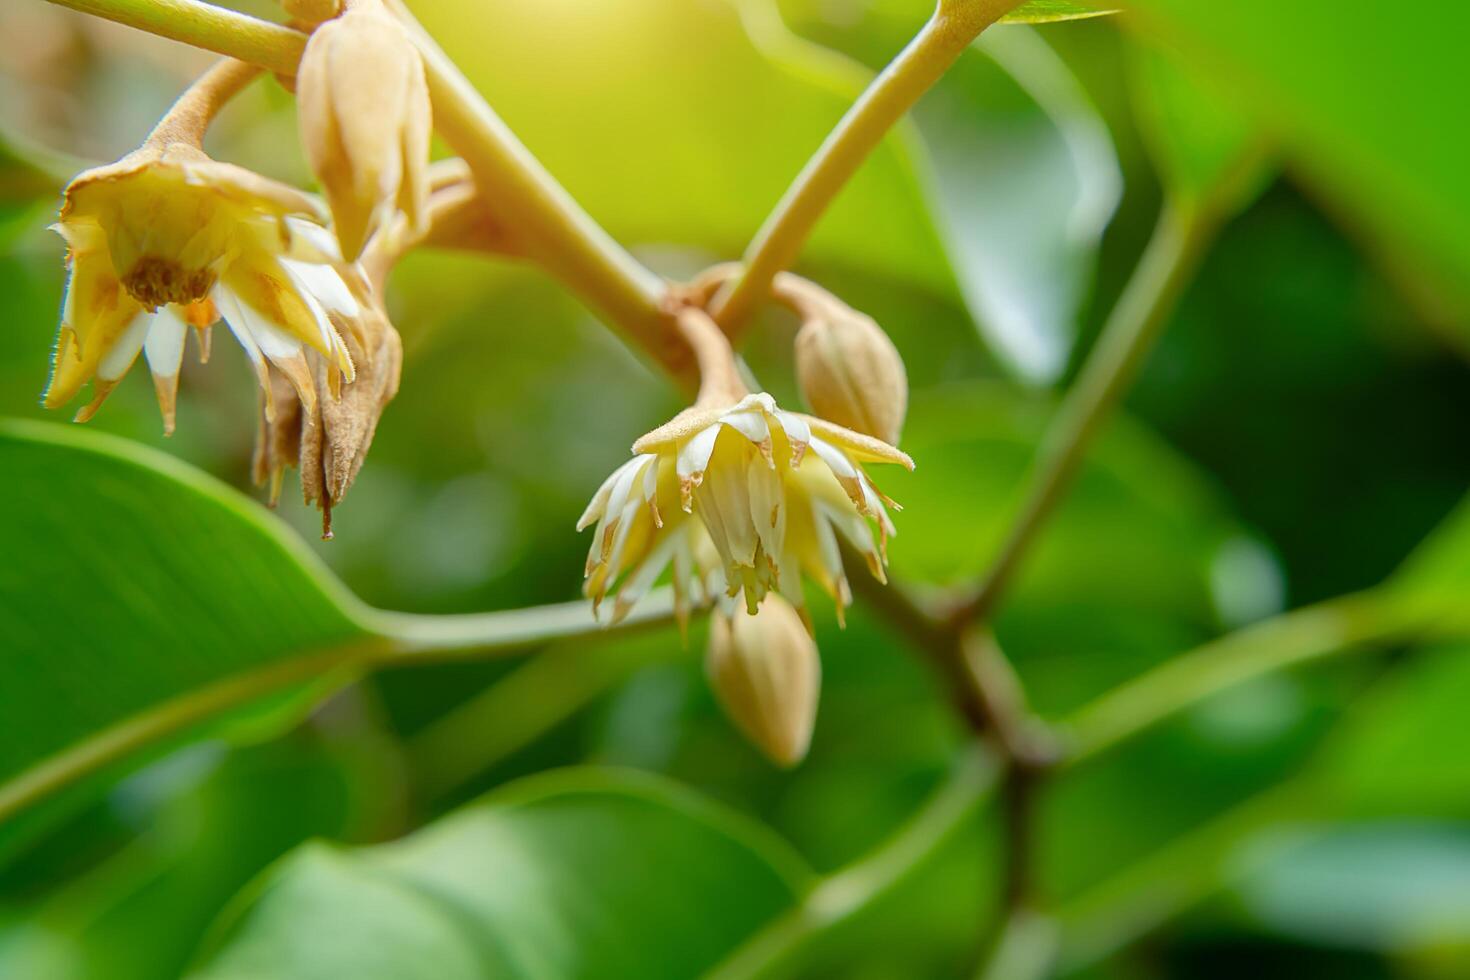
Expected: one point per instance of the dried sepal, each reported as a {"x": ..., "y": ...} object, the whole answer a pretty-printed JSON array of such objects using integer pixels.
[
  {"x": 363, "y": 107},
  {"x": 766, "y": 674},
  {"x": 328, "y": 437}
]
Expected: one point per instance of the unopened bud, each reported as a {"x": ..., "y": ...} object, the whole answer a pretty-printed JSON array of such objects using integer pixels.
[
  {"x": 850, "y": 372},
  {"x": 765, "y": 671},
  {"x": 311, "y": 11},
  {"x": 363, "y": 106}
]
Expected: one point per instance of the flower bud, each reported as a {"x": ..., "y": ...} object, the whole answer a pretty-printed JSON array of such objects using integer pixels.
[
  {"x": 850, "y": 372},
  {"x": 312, "y": 11},
  {"x": 363, "y": 106},
  {"x": 765, "y": 672}
]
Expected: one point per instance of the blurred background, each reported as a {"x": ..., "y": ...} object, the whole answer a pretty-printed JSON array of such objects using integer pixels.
[{"x": 1297, "y": 433}]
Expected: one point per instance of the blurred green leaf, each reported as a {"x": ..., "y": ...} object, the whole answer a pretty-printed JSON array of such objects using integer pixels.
[
  {"x": 1403, "y": 748},
  {"x": 1433, "y": 582},
  {"x": 1394, "y": 886},
  {"x": 140, "y": 914},
  {"x": 1199, "y": 142},
  {"x": 1051, "y": 11},
  {"x": 657, "y": 117},
  {"x": 1021, "y": 172},
  {"x": 1138, "y": 505},
  {"x": 1025, "y": 180},
  {"x": 573, "y": 874},
  {"x": 1358, "y": 98},
  {"x": 133, "y": 588},
  {"x": 29, "y": 170}
]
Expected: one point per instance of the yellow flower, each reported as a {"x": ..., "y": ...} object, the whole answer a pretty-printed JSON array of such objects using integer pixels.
[
  {"x": 772, "y": 491},
  {"x": 167, "y": 238}
]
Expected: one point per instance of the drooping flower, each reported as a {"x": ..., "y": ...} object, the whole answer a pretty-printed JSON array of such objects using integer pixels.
[
  {"x": 773, "y": 492},
  {"x": 167, "y": 238}
]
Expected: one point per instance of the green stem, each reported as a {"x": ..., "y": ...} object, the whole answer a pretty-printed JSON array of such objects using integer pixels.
[
  {"x": 525, "y": 198},
  {"x": 528, "y": 702},
  {"x": 203, "y": 25},
  {"x": 1271, "y": 645},
  {"x": 402, "y": 639},
  {"x": 417, "y": 638},
  {"x": 837, "y": 898},
  {"x": 929, "y": 55},
  {"x": 1178, "y": 242},
  {"x": 1026, "y": 949}
]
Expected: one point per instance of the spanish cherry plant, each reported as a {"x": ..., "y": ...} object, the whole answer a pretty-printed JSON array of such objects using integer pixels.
[{"x": 730, "y": 509}]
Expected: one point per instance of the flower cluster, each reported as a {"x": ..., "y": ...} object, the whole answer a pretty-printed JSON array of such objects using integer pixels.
[
  {"x": 766, "y": 495},
  {"x": 742, "y": 499},
  {"x": 168, "y": 239}
]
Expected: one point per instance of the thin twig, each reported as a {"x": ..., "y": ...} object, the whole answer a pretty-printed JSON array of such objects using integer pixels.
[
  {"x": 778, "y": 948},
  {"x": 1168, "y": 263},
  {"x": 928, "y": 56}
]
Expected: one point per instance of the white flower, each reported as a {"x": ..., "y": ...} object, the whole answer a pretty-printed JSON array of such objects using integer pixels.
[{"x": 772, "y": 491}]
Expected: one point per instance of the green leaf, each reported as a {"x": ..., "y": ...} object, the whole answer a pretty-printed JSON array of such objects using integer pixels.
[
  {"x": 1052, "y": 11},
  {"x": 1402, "y": 749},
  {"x": 1025, "y": 181},
  {"x": 137, "y": 596},
  {"x": 1381, "y": 886},
  {"x": 579, "y": 873},
  {"x": 140, "y": 913},
  {"x": 1204, "y": 148},
  {"x": 1359, "y": 98},
  {"x": 1137, "y": 503},
  {"x": 1432, "y": 583}
]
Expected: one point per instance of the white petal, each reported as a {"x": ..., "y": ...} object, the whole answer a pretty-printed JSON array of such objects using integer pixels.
[
  {"x": 876, "y": 508},
  {"x": 836, "y": 459},
  {"x": 794, "y": 426},
  {"x": 598, "y": 505},
  {"x": 322, "y": 282},
  {"x": 314, "y": 239},
  {"x": 164, "y": 347},
  {"x": 828, "y": 551},
  {"x": 647, "y": 572},
  {"x": 768, "y": 508},
  {"x": 328, "y": 333},
  {"x": 752, "y": 425},
  {"x": 629, "y": 516},
  {"x": 622, "y": 488},
  {"x": 694, "y": 456},
  {"x": 238, "y": 319},
  {"x": 115, "y": 362}
]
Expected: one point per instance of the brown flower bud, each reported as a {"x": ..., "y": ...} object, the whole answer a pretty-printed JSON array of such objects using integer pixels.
[
  {"x": 330, "y": 440},
  {"x": 363, "y": 106},
  {"x": 765, "y": 671},
  {"x": 850, "y": 372},
  {"x": 312, "y": 11}
]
